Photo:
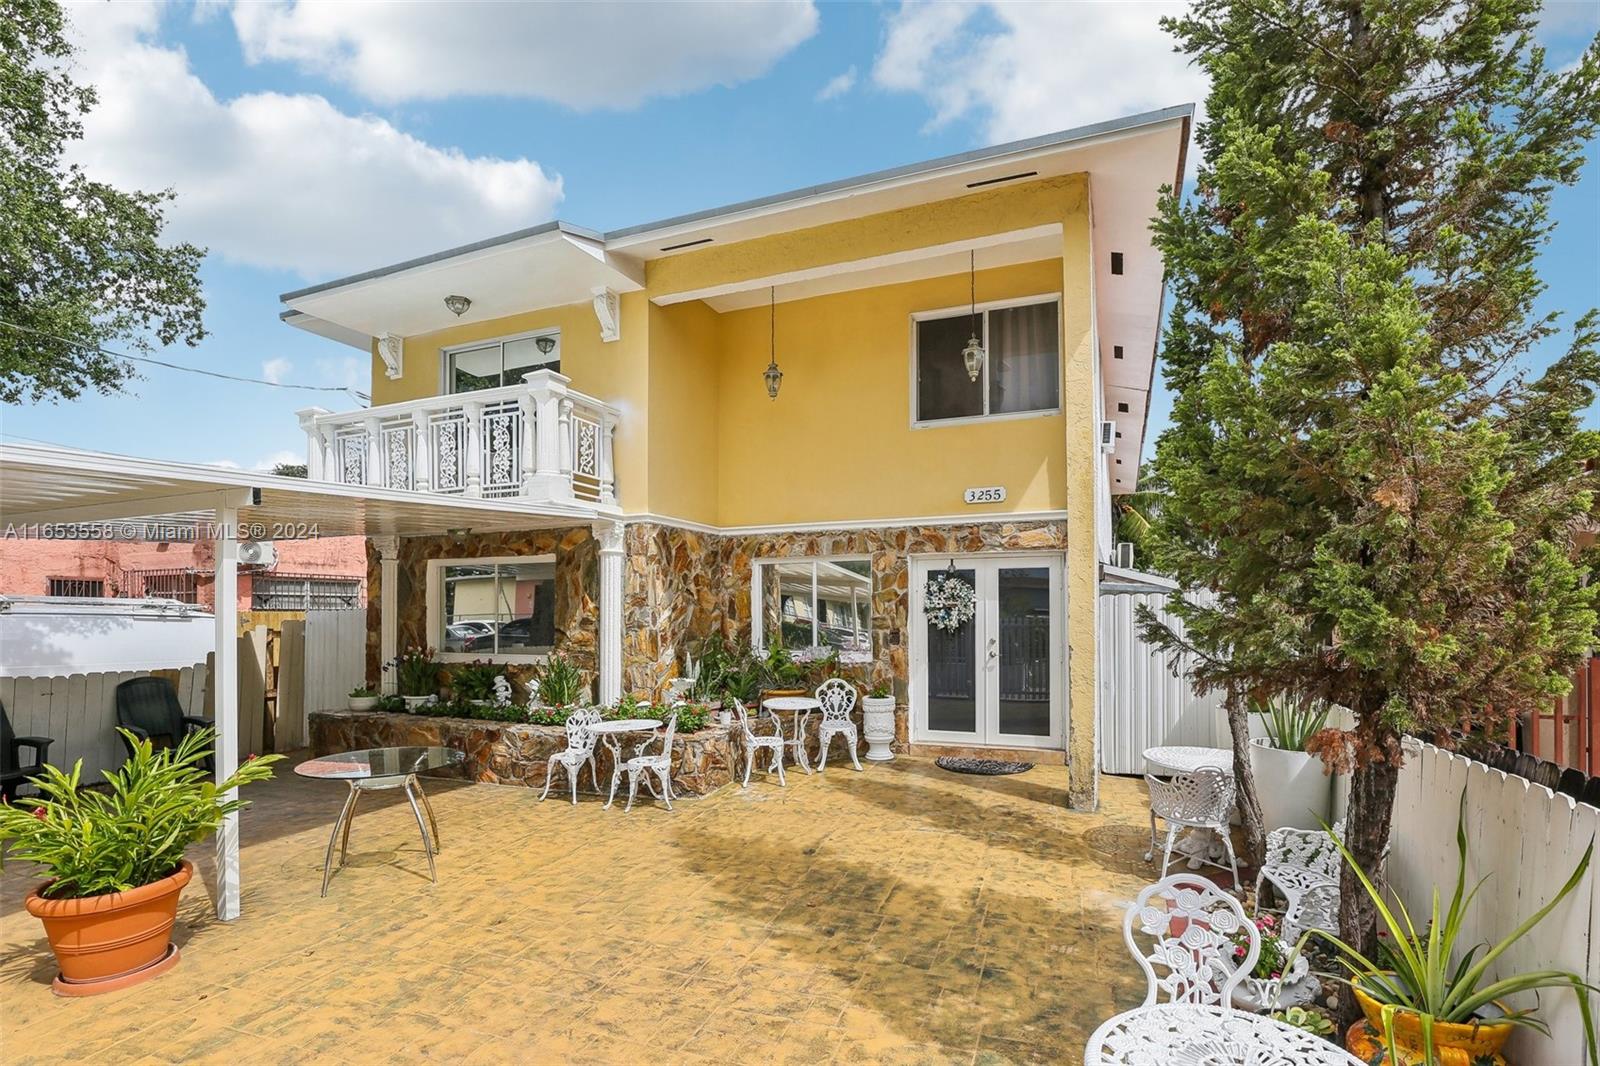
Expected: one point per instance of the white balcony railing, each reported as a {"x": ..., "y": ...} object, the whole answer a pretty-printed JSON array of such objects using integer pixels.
[{"x": 537, "y": 440}]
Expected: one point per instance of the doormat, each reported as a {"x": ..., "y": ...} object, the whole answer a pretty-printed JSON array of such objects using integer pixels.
[{"x": 986, "y": 767}]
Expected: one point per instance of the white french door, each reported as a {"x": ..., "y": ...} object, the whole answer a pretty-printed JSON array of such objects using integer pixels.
[{"x": 999, "y": 678}]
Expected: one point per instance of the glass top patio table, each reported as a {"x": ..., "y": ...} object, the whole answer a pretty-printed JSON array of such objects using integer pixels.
[
  {"x": 379, "y": 762},
  {"x": 1185, "y": 1034}
]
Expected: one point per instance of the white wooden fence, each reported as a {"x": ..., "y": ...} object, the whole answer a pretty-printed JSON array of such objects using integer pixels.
[
  {"x": 1526, "y": 840},
  {"x": 1142, "y": 704},
  {"x": 79, "y": 712},
  {"x": 335, "y": 662}
]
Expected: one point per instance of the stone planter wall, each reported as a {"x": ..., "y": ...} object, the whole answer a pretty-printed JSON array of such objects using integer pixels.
[{"x": 506, "y": 753}]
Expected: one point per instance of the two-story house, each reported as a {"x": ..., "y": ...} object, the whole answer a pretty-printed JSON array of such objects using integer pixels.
[{"x": 781, "y": 419}]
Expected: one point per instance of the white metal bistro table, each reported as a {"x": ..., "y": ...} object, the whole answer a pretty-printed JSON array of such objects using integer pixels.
[
  {"x": 801, "y": 707},
  {"x": 374, "y": 769},
  {"x": 611, "y": 733},
  {"x": 1199, "y": 845},
  {"x": 1185, "y": 1034}
]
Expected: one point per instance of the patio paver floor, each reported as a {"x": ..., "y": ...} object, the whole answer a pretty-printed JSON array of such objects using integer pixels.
[{"x": 902, "y": 915}]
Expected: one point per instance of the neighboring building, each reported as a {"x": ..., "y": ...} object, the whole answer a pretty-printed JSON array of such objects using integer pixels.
[
  {"x": 327, "y": 573},
  {"x": 615, "y": 388}
]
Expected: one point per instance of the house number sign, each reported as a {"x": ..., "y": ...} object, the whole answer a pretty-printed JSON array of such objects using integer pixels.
[{"x": 989, "y": 494}]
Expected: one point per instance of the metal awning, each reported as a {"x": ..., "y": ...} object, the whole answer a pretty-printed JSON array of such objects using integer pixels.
[{"x": 47, "y": 486}]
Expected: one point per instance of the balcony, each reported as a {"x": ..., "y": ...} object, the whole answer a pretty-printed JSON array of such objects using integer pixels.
[{"x": 535, "y": 441}]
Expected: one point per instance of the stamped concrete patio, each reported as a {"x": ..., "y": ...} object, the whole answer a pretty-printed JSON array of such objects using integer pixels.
[{"x": 903, "y": 914}]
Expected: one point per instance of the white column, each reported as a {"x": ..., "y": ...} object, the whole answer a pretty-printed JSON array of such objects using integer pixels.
[
  {"x": 610, "y": 536},
  {"x": 527, "y": 443},
  {"x": 225, "y": 698},
  {"x": 377, "y": 463},
  {"x": 314, "y": 445},
  {"x": 473, "y": 410},
  {"x": 388, "y": 607},
  {"x": 421, "y": 451}
]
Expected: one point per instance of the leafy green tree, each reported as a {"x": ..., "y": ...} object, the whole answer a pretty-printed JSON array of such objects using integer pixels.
[
  {"x": 82, "y": 265},
  {"x": 1134, "y": 514},
  {"x": 1381, "y": 499}
]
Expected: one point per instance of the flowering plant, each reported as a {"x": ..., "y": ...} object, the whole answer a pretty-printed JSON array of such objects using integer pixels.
[
  {"x": 1274, "y": 956},
  {"x": 949, "y": 602},
  {"x": 415, "y": 672}
]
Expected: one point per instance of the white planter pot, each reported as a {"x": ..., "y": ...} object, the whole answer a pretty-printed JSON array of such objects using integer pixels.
[
  {"x": 1298, "y": 988},
  {"x": 877, "y": 720},
  {"x": 419, "y": 701},
  {"x": 1291, "y": 786},
  {"x": 361, "y": 703}
]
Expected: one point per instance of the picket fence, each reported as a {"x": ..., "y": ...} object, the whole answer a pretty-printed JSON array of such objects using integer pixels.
[{"x": 1526, "y": 840}]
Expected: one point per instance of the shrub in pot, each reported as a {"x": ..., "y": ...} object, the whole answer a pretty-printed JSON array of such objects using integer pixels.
[
  {"x": 1428, "y": 997},
  {"x": 1294, "y": 789},
  {"x": 416, "y": 675},
  {"x": 877, "y": 722},
  {"x": 558, "y": 683},
  {"x": 115, "y": 858},
  {"x": 361, "y": 698}
]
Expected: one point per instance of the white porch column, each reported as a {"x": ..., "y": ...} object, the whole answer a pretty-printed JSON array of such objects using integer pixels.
[
  {"x": 421, "y": 452},
  {"x": 314, "y": 444},
  {"x": 610, "y": 536},
  {"x": 388, "y": 608},
  {"x": 225, "y": 697}
]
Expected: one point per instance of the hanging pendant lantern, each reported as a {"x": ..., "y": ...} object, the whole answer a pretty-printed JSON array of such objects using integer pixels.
[
  {"x": 973, "y": 354},
  {"x": 773, "y": 376}
]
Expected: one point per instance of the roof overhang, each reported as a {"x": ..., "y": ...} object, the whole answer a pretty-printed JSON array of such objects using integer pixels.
[
  {"x": 547, "y": 266},
  {"x": 67, "y": 486}
]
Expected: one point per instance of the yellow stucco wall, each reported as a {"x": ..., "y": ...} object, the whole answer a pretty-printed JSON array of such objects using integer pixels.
[{"x": 838, "y": 443}]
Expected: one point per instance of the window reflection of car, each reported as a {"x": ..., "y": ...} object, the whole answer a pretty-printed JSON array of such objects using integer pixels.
[
  {"x": 517, "y": 633},
  {"x": 457, "y": 634}
]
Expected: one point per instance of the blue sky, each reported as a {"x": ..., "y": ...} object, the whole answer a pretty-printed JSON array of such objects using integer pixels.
[{"x": 307, "y": 141}]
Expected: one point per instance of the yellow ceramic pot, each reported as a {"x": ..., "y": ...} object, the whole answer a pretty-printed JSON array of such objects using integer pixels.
[{"x": 1454, "y": 1043}]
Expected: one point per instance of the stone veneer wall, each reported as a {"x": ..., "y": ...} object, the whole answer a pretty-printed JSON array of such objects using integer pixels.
[{"x": 577, "y": 587}]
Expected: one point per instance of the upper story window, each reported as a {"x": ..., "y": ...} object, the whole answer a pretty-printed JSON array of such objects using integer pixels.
[
  {"x": 1020, "y": 376},
  {"x": 491, "y": 364}
]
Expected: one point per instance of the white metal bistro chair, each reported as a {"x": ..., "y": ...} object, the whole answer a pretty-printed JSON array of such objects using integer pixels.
[
  {"x": 580, "y": 749},
  {"x": 1190, "y": 924},
  {"x": 838, "y": 699},
  {"x": 754, "y": 742},
  {"x": 1302, "y": 866},
  {"x": 1199, "y": 800},
  {"x": 660, "y": 764}
]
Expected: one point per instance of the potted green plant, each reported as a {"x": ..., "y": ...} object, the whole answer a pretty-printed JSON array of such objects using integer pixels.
[
  {"x": 474, "y": 682},
  {"x": 115, "y": 857},
  {"x": 781, "y": 675},
  {"x": 361, "y": 698},
  {"x": 877, "y": 722},
  {"x": 1428, "y": 996},
  {"x": 416, "y": 676},
  {"x": 1292, "y": 785},
  {"x": 1282, "y": 975}
]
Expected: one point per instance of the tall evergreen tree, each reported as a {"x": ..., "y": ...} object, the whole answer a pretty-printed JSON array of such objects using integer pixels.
[{"x": 1383, "y": 502}]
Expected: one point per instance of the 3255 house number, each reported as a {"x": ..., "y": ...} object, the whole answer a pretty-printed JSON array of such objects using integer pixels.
[{"x": 988, "y": 494}]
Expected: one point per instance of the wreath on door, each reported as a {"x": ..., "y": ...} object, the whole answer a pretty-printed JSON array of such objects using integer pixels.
[{"x": 949, "y": 601}]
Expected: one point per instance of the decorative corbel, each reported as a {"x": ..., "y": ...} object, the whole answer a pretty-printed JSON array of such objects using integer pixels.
[
  {"x": 605, "y": 309},
  {"x": 392, "y": 350}
]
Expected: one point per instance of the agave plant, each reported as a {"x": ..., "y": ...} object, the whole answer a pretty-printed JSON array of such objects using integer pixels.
[
  {"x": 1290, "y": 723},
  {"x": 1420, "y": 975}
]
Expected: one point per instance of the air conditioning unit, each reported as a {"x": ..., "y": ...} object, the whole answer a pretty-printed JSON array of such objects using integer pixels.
[
  {"x": 258, "y": 553},
  {"x": 1108, "y": 437},
  {"x": 1125, "y": 554}
]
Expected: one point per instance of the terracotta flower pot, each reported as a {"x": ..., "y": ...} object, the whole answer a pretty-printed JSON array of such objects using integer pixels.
[
  {"x": 1454, "y": 1043},
  {"x": 103, "y": 943}
]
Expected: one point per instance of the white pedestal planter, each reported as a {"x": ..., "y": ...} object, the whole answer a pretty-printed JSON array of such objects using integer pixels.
[
  {"x": 877, "y": 719},
  {"x": 1291, "y": 786},
  {"x": 1298, "y": 988}
]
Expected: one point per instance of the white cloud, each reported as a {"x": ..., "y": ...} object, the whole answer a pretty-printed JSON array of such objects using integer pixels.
[
  {"x": 276, "y": 370},
  {"x": 1022, "y": 69},
  {"x": 585, "y": 56},
  {"x": 838, "y": 85},
  {"x": 283, "y": 456},
  {"x": 282, "y": 181}
]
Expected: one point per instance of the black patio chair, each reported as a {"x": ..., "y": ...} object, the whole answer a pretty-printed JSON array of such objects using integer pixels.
[
  {"x": 13, "y": 771},
  {"x": 149, "y": 709}
]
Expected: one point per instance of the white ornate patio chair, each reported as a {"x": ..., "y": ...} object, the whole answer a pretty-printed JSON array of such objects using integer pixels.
[
  {"x": 1190, "y": 924},
  {"x": 754, "y": 742},
  {"x": 838, "y": 699},
  {"x": 1302, "y": 866},
  {"x": 660, "y": 764},
  {"x": 580, "y": 749},
  {"x": 1199, "y": 800}
]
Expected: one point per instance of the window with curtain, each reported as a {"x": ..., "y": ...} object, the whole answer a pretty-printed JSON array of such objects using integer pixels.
[
  {"x": 502, "y": 362},
  {"x": 1020, "y": 375}
]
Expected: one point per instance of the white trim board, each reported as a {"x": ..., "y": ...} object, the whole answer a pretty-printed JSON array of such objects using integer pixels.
[{"x": 846, "y": 525}]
